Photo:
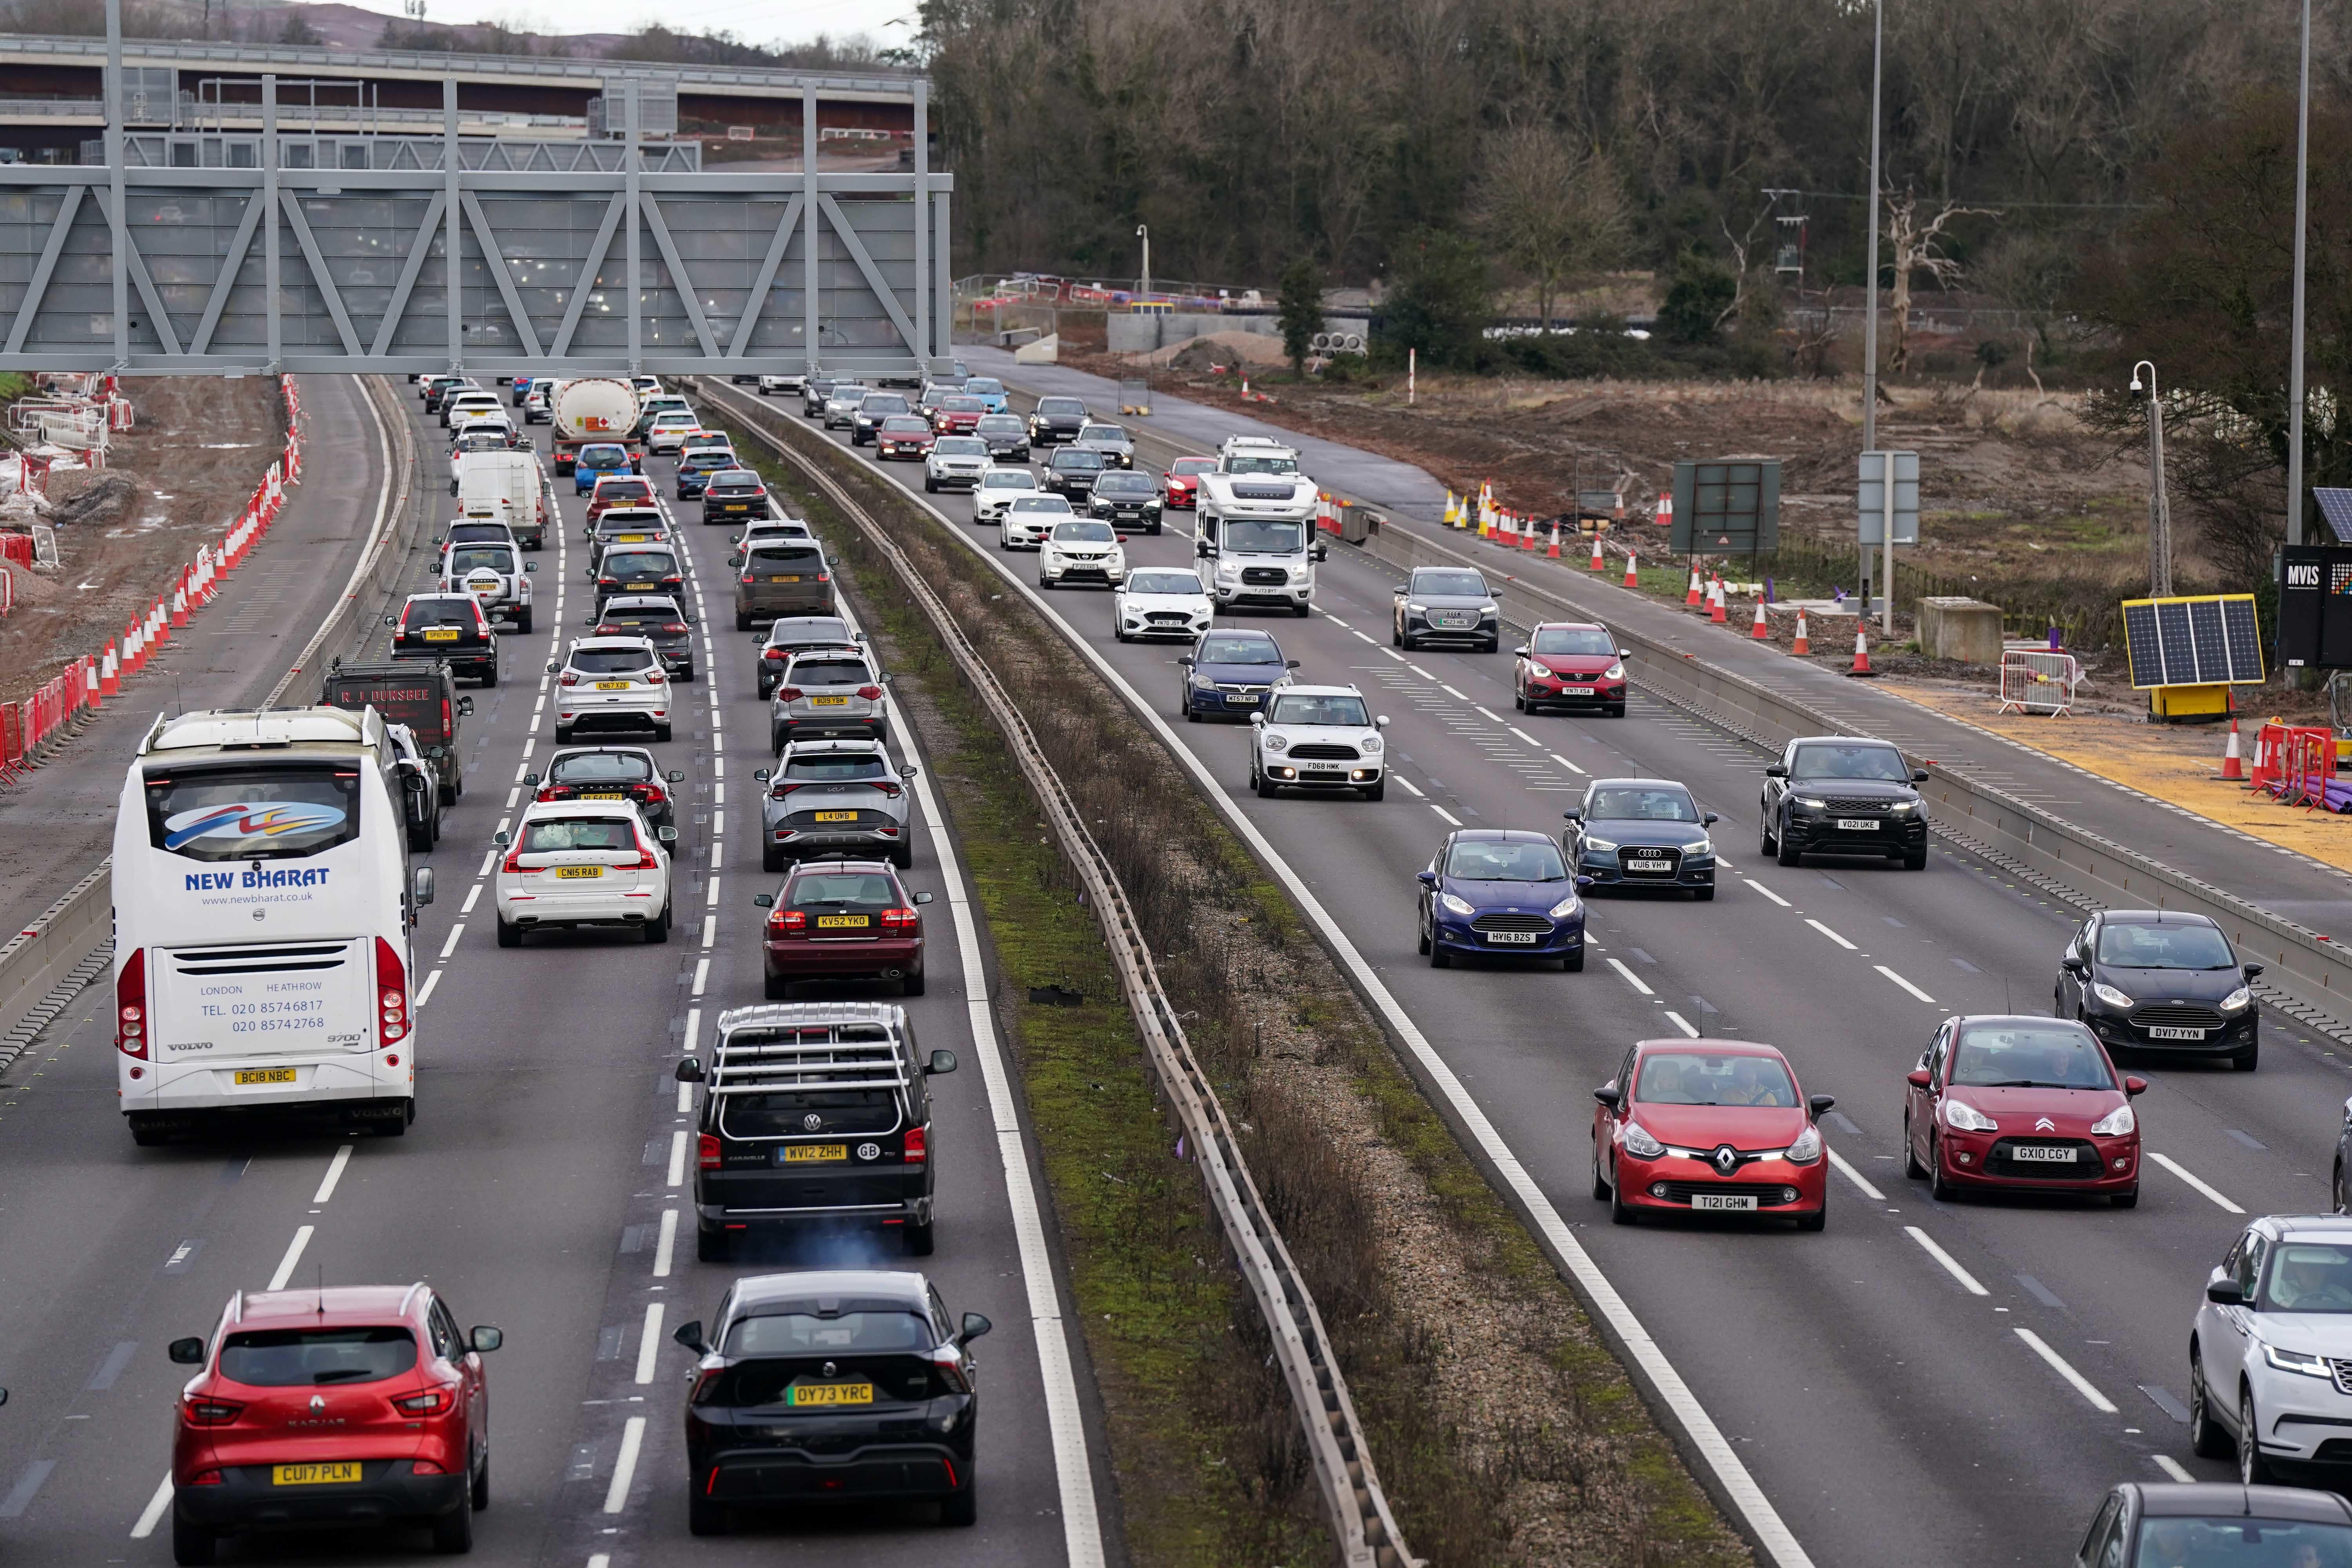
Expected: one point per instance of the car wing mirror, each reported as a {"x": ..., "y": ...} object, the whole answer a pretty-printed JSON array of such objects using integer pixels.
[
  {"x": 1426, "y": 878},
  {"x": 764, "y": 900},
  {"x": 531, "y": 778},
  {"x": 1290, "y": 664},
  {"x": 922, "y": 897},
  {"x": 1380, "y": 721},
  {"x": 436, "y": 752},
  {"x": 484, "y": 1339},
  {"x": 941, "y": 1061},
  {"x": 1322, "y": 551},
  {"x": 2073, "y": 963},
  {"x": 676, "y": 775},
  {"x": 420, "y": 885},
  {"x": 1708, "y": 819},
  {"x": 1775, "y": 771},
  {"x": 552, "y": 666},
  {"x": 1573, "y": 814},
  {"x": 2252, "y": 969},
  {"x": 531, "y": 565},
  {"x": 2225, "y": 1293},
  {"x": 908, "y": 770},
  {"x": 1918, "y": 775},
  {"x": 392, "y": 620},
  {"x": 689, "y": 1069},
  {"x": 1185, "y": 660},
  {"x": 1259, "y": 719},
  {"x": 187, "y": 1351},
  {"x": 666, "y": 834},
  {"x": 1609, "y": 1095},
  {"x": 1815, "y": 1104},
  {"x": 2135, "y": 1085},
  {"x": 974, "y": 1326},
  {"x": 464, "y": 708},
  {"x": 1919, "y": 1078},
  {"x": 1583, "y": 883},
  {"x": 1624, "y": 653},
  {"x": 690, "y": 1336},
  {"x": 1520, "y": 651},
  {"x": 760, "y": 776}
]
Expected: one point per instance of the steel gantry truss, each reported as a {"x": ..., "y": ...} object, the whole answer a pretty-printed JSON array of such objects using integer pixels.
[{"x": 484, "y": 255}]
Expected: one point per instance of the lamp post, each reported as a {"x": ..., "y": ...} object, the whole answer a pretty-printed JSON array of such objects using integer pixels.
[
  {"x": 2159, "y": 508},
  {"x": 2295, "y": 350},
  {"x": 1870, "y": 316},
  {"x": 1143, "y": 233}
]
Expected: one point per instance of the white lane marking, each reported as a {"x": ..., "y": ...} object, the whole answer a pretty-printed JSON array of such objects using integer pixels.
[
  {"x": 514, "y": 795},
  {"x": 1563, "y": 762},
  {"x": 521, "y": 768},
  {"x": 677, "y": 1158},
  {"x": 1414, "y": 788},
  {"x": 717, "y": 824},
  {"x": 454, "y": 932},
  {"x": 425, "y": 992},
  {"x": 490, "y": 864},
  {"x": 1951, "y": 1265},
  {"x": 473, "y": 896},
  {"x": 1362, "y": 638},
  {"x": 710, "y": 935},
  {"x": 1904, "y": 984},
  {"x": 668, "y": 1243},
  {"x": 649, "y": 1344},
  {"x": 624, "y": 1467},
  {"x": 334, "y": 1173},
  {"x": 1491, "y": 718},
  {"x": 2178, "y": 1169},
  {"x": 1417, "y": 670},
  {"x": 1684, "y": 1025},
  {"x": 1831, "y": 934},
  {"x": 153, "y": 1514},
  {"x": 1458, "y": 696},
  {"x": 293, "y": 1256},
  {"x": 712, "y": 902},
  {"x": 601, "y": 1560},
  {"x": 2099, "y": 1402},
  {"x": 1767, "y": 893},
  {"x": 685, "y": 1099},
  {"x": 1851, "y": 1175},
  {"x": 715, "y": 860},
  {"x": 2172, "y": 1467},
  {"x": 1631, "y": 978},
  {"x": 1390, "y": 651},
  {"x": 1443, "y": 813},
  {"x": 719, "y": 767},
  {"x": 1337, "y": 621},
  {"x": 693, "y": 1031},
  {"x": 1523, "y": 735}
]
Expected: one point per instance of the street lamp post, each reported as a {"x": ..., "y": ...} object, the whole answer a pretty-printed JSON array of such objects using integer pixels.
[
  {"x": 2159, "y": 508},
  {"x": 2295, "y": 350},
  {"x": 1870, "y": 316},
  {"x": 1143, "y": 233}
]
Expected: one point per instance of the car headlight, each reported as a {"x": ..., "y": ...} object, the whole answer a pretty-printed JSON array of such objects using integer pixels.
[
  {"x": 1902, "y": 808},
  {"x": 1615, "y": 672},
  {"x": 1807, "y": 1149},
  {"x": 1704, "y": 846},
  {"x": 1489, "y": 609},
  {"x": 1276, "y": 743},
  {"x": 1457, "y": 906},
  {"x": 2109, "y": 995},
  {"x": 1604, "y": 844},
  {"x": 1562, "y": 910},
  {"x": 1812, "y": 803},
  {"x": 2237, "y": 999},
  {"x": 1228, "y": 569},
  {"x": 2296, "y": 1361},
  {"x": 1967, "y": 1117},
  {"x": 1638, "y": 1143},
  {"x": 1369, "y": 745},
  {"x": 2116, "y": 1123},
  {"x": 1414, "y": 609}
]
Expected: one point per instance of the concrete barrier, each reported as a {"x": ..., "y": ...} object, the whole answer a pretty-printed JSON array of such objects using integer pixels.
[
  {"x": 1965, "y": 629},
  {"x": 46, "y": 954}
]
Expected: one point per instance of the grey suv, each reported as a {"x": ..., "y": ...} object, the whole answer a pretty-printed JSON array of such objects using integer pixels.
[
  {"x": 781, "y": 577},
  {"x": 828, "y": 692},
  {"x": 839, "y": 796}
]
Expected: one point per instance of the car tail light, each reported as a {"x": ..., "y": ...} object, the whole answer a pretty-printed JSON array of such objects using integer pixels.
[
  {"x": 556, "y": 792},
  {"x": 655, "y": 678},
  {"x": 793, "y": 922},
  {"x": 917, "y": 1145},
  {"x": 202, "y": 1411},
  {"x": 673, "y": 626},
  {"x": 645, "y": 861},
  {"x": 426, "y": 1402},
  {"x": 789, "y": 694},
  {"x": 747, "y": 578},
  {"x": 131, "y": 1005},
  {"x": 571, "y": 677},
  {"x": 871, "y": 693},
  {"x": 513, "y": 862},
  {"x": 771, "y": 656},
  {"x": 207, "y": 1479},
  {"x": 423, "y": 1467},
  {"x": 783, "y": 788},
  {"x": 823, "y": 577},
  {"x": 392, "y": 985},
  {"x": 653, "y": 796},
  {"x": 706, "y": 1150},
  {"x": 672, "y": 579},
  {"x": 901, "y": 920},
  {"x": 890, "y": 790},
  {"x": 947, "y": 1362}
]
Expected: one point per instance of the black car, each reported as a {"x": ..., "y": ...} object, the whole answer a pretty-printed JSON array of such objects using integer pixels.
[
  {"x": 1126, "y": 500},
  {"x": 695, "y": 468},
  {"x": 814, "y": 392},
  {"x": 734, "y": 493},
  {"x": 658, "y": 618},
  {"x": 1835, "y": 794},
  {"x": 1233, "y": 673},
  {"x": 1641, "y": 833},
  {"x": 611, "y": 773},
  {"x": 2203, "y": 1522},
  {"x": 1006, "y": 435},
  {"x": 1446, "y": 605},
  {"x": 789, "y": 634},
  {"x": 1056, "y": 419},
  {"x": 872, "y": 409},
  {"x": 637, "y": 569},
  {"x": 450, "y": 627},
  {"x": 623, "y": 526},
  {"x": 1071, "y": 473},
  {"x": 831, "y": 1385},
  {"x": 2160, "y": 981}
]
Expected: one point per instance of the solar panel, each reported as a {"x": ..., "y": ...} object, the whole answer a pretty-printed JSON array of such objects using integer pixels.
[
  {"x": 2335, "y": 506},
  {"x": 2213, "y": 639}
]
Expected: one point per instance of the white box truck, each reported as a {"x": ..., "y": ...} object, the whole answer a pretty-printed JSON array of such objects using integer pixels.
[{"x": 504, "y": 487}]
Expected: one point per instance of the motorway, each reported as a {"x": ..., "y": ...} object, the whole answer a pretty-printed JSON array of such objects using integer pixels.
[
  {"x": 1964, "y": 1380},
  {"x": 543, "y": 1187}
]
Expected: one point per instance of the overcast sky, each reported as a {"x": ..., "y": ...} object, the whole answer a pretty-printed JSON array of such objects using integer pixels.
[{"x": 758, "y": 21}]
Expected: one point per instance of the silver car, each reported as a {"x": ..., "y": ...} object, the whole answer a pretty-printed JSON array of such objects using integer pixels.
[
  {"x": 833, "y": 797},
  {"x": 828, "y": 693},
  {"x": 611, "y": 683},
  {"x": 490, "y": 571},
  {"x": 841, "y": 404},
  {"x": 1117, "y": 446},
  {"x": 955, "y": 463}
]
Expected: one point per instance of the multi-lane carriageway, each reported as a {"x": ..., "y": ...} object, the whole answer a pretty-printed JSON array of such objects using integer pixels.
[
  {"x": 544, "y": 1187},
  {"x": 1929, "y": 1382}
]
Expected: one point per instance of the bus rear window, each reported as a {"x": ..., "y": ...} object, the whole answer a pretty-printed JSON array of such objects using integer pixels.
[{"x": 284, "y": 811}]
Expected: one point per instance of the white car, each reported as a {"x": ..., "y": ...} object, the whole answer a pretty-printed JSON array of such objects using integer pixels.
[
  {"x": 1161, "y": 602},
  {"x": 536, "y": 409},
  {"x": 955, "y": 463},
  {"x": 999, "y": 487},
  {"x": 767, "y": 528},
  {"x": 584, "y": 862},
  {"x": 2263, "y": 1357},
  {"x": 1081, "y": 551},
  {"x": 771, "y": 385},
  {"x": 472, "y": 398},
  {"x": 1317, "y": 737},
  {"x": 494, "y": 574},
  {"x": 1026, "y": 519},
  {"x": 669, "y": 430},
  {"x": 611, "y": 683}
]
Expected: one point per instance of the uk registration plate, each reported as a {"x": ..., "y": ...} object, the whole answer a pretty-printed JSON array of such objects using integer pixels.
[
  {"x": 843, "y": 922},
  {"x": 1520, "y": 938},
  {"x": 783, "y": 579},
  {"x": 265, "y": 1075},
  {"x": 632, "y": 538},
  {"x": 640, "y": 587},
  {"x": 578, "y": 873},
  {"x": 602, "y": 795},
  {"x": 1659, "y": 868},
  {"x": 828, "y": 701},
  {"x": 801, "y": 1396},
  {"x": 613, "y": 686},
  {"x": 2041, "y": 1154},
  {"x": 837, "y": 817},
  {"x": 441, "y": 634},
  {"x": 2158, "y": 1034},
  {"x": 1576, "y": 692},
  {"x": 812, "y": 1153},
  {"x": 1857, "y": 824},
  {"x": 1729, "y": 1203},
  {"x": 1241, "y": 700},
  {"x": 314, "y": 1475},
  {"x": 739, "y": 506}
]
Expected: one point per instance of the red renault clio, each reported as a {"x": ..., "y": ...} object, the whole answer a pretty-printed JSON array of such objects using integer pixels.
[
  {"x": 2021, "y": 1104},
  {"x": 359, "y": 1405},
  {"x": 1709, "y": 1127}
]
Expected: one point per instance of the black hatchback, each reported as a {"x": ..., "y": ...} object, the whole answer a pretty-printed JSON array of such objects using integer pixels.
[
  {"x": 734, "y": 493},
  {"x": 834, "y": 1385},
  {"x": 2160, "y": 981},
  {"x": 1071, "y": 473},
  {"x": 449, "y": 627},
  {"x": 658, "y": 618}
]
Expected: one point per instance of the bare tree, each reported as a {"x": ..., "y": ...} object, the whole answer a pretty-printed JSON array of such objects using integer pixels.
[
  {"x": 1912, "y": 244},
  {"x": 1549, "y": 211}
]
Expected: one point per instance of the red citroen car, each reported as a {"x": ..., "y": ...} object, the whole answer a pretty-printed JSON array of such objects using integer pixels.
[
  {"x": 842, "y": 919},
  {"x": 1709, "y": 1127},
  {"x": 1570, "y": 663},
  {"x": 2021, "y": 1104},
  {"x": 363, "y": 1405},
  {"x": 1182, "y": 489}
]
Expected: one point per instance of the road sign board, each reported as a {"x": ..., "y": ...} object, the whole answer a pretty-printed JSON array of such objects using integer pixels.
[
  {"x": 1728, "y": 508},
  {"x": 1870, "y": 505}
]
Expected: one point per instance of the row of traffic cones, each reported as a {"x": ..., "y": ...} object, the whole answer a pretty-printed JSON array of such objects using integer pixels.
[{"x": 1710, "y": 595}]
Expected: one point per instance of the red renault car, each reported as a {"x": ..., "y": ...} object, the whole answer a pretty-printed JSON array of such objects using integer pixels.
[
  {"x": 2021, "y": 1104},
  {"x": 363, "y": 1405},
  {"x": 1570, "y": 663},
  {"x": 842, "y": 919},
  {"x": 1180, "y": 488},
  {"x": 1709, "y": 1127}
]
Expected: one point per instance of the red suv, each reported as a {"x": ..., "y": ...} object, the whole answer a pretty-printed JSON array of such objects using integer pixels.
[
  {"x": 842, "y": 919},
  {"x": 362, "y": 1405}
]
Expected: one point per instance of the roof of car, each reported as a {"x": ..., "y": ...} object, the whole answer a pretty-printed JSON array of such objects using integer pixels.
[
  {"x": 1568, "y": 626},
  {"x": 1845, "y": 740},
  {"x": 845, "y": 864},
  {"x": 2174, "y": 1500},
  {"x": 841, "y": 1290},
  {"x": 1642, "y": 784},
  {"x": 334, "y": 1305},
  {"x": 2330, "y": 1225},
  {"x": 561, "y": 752},
  {"x": 532, "y": 809},
  {"x": 839, "y": 747},
  {"x": 1500, "y": 835},
  {"x": 641, "y": 602},
  {"x": 833, "y": 650},
  {"x": 1296, "y": 690},
  {"x": 2154, "y": 918},
  {"x": 594, "y": 644},
  {"x": 412, "y": 598},
  {"x": 1712, "y": 1047}
]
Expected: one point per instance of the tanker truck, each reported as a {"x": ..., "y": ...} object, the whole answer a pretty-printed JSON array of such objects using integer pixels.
[{"x": 597, "y": 409}]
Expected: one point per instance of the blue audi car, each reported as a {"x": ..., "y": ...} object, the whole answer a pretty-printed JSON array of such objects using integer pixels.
[
  {"x": 1641, "y": 833},
  {"x": 1233, "y": 674},
  {"x": 1503, "y": 893}
]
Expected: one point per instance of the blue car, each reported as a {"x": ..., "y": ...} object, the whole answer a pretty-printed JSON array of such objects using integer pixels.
[
  {"x": 1501, "y": 892},
  {"x": 989, "y": 390},
  {"x": 594, "y": 462},
  {"x": 1232, "y": 675},
  {"x": 1641, "y": 833}
]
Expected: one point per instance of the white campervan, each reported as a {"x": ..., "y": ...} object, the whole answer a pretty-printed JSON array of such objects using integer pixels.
[{"x": 1259, "y": 529}]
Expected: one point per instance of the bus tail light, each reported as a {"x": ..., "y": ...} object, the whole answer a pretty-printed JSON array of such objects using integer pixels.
[
  {"x": 131, "y": 1005},
  {"x": 392, "y": 987}
]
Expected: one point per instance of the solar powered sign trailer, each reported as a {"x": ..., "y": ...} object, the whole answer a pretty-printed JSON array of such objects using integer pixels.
[
  {"x": 2315, "y": 606},
  {"x": 2187, "y": 652}
]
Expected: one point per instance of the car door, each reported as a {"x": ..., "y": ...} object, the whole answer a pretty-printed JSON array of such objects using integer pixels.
[
  {"x": 473, "y": 1389},
  {"x": 1605, "y": 1119},
  {"x": 1919, "y": 1104},
  {"x": 2226, "y": 1333},
  {"x": 2103, "y": 1544},
  {"x": 2082, "y": 946}
]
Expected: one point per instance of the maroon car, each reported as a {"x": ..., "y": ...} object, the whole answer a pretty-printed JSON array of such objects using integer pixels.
[
  {"x": 1709, "y": 1127},
  {"x": 1570, "y": 663},
  {"x": 2021, "y": 1104},
  {"x": 903, "y": 436},
  {"x": 842, "y": 919},
  {"x": 957, "y": 416}
]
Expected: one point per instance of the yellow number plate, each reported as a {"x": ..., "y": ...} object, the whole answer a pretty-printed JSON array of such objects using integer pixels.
[
  {"x": 828, "y": 701},
  {"x": 798, "y": 1154},
  {"x": 783, "y": 579},
  {"x": 637, "y": 587},
  {"x": 265, "y": 1075},
  {"x": 613, "y": 685},
  {"x": 582, "y": 873},
  {"x": 339, "y": 1470},
  {"x": 805, "y": 1393},
  {"x": 739, "y": 506},
  {"x": 441, "y": 634},
  {"x": 632, "y": 538},
  {"x": 605, "y": 795},
  {"x": 843, "y": 922},
  {"x": 837, "y": 817}
]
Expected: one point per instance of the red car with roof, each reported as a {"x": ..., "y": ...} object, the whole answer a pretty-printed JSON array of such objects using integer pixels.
[
  {"x": 1709, "y": 1127},
  {"x": 355, "y": 1405},
  {"x": 957, "y": 415},
  {"x": 2021, "y": 1104},
  {"x": 842, "y": 919},
  {"x": 1570, "y": 663},
  {"x": 1179, "y": 488},
  {"x": 620, "y": 490}
]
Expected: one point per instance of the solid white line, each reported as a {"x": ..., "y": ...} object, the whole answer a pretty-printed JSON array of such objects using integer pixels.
[
  {"x": 1563, "y": 762},
  {"x": 334, "y": 1173},
  {"x": 624, "y": 1467},
  {"x": 153, "y": 1514},
  {"x": 1767, "y": 892},
  {"x": 664, "y": 1248},
  {"x": 473, "y": 896},
  {"x": 293, "y": 1256},
  {"x": 2170, "y": 1164},
  {"x": 1451, "y": 692},
  {"x": 1904, "y": 984},
  {"x": 649, "y": 1344},
  {"x": 1523, "y": 735},
  {"x": 1831, "y": 934},
  {"x": 1684, "y": 1025},
  {"x": 1951, "y": 1265},
  {"x": 1443, "y": 813},
  {"x": 454, "y": 932},
  {"x": 425, "y": 992},
  {"x": 1410, "y": 786},
  {"x": 2172, "y": 1467},
  {"x": 1631, "y": 978},
  {"x": 2099, "y": 1402},
  {"x": 677, "y": 1158},
  {"x": 1851, "y": 1175}
]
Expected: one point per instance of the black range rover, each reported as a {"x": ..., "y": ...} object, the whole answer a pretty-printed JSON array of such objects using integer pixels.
[{"x": 1838, "y": 795}]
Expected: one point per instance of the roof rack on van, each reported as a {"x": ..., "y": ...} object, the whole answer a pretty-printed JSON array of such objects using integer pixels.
[{"x": 824, "y": 1062}]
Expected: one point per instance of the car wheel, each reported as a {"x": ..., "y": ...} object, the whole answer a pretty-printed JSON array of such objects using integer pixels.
[
  {"x": 1573, "y": 963},
  {"x": 191, "y": 1542},
  {"x": 2126, "y": 1200},
  {"x": 1518, "y": 700},
  {"x": 2206, "y": 1437},
  {"x": 704, "y": 1517},
  {"x": 1939, "y": 1186},
  {"x": 1421, "y": 939},
  {"x": 2245, "y": 1060},
  {"x": 1305, "y": 610},
  {"x": 2335, "y": 1186},
  {"x": 912, "y": 985},
  {"x": 1703, "y": 895},
  {"x": 490, "y": 676},
  {"x": 776, "y": 988},
  {"x": 1765, "y": 843},
  {"x": 928, "y": 487},
  {"x": 510, "y": 935},
  {"x": 1043, "y": 581},
  {"x": 902, "y": 855},
  {"x": 1260, "y": 782},
  {"x": 1820, "y": 1218},
  {"x": 917, "y": 1240},
  {"x": 1396, "y": 636},
  {"x": 482, "y": 1482},
  {"x": 563, "y": 734},
  {"x": 1619, "y": 1213},
  {"x": 713, "y": 1246},
  {"x": 1492, "y": 645},
  {"x": 526, "y": 623},
  {"x": 1615, "y": 710},
  {"x": 661, "y": 731},
  {"x": 1916, "y": 860},
  {"x": 1784, "y": 852},
  {"x": 961, "y": 1509},
  {"x": 1191, "y": 713},
  {"x": 1911, "y": 1166},
  {"x": 658, "y": 929},
  {"x": 452, "y": 1532},
  {"x": 1152, "y": 528},
  {"x": 2253, "y": 1470},
  {"x": 1377, "y": 792},
  {"x": 742, "y": 622},
  {"x": 1118, "y": 634},
  {"x": 1599, "y": 1182},
  {"x": 1438, "y": 957}
]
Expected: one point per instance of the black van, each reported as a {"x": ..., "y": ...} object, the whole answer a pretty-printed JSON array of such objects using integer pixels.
[{"x": 419, "y": 693}]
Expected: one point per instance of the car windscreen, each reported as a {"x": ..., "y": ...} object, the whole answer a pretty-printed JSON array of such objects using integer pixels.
[
  {"x": 1258, "y": 536},
  {"x": 1640, "y": 805},
  {"x": 840, "y": 1334},
  {"x": 1062, "y": 407},
  {"x": 784, "y": 558},
  {"x": 1298, "y": 708},
  {"x": 252, "y": 811},
  {"x": 2055, "y": 1055},
  {"x": 960, "y": 405},
  {"x": 423, "y": 612},
  {"x": 1136, "y": 485},
  {"x": 2236, "y": 1541},
  {"x": 554, "y": 835},
  {"x": 1590, "y": 642},
  {"x": 1450, "y": 584},
  {"x": 842, "y": 889},
  {"x": 610, "y": 661},
  {"x": 984, "y": 386},
  {"x": 905, "y": 425},
  {"x": 601, "y": 767},
  {"x": 708, "y": 460},
  {"x": 1504, "y": 860},
  {"x": 1110, "y": 432},
  {"x": 835, "y": 767},
  {"x": 961, "y": 447},
  {"x": 1823, "y": 759},
  {"x": 2130, "y": 946},
  {"x": 640, "y": 563},
  {"x": 828, "y": 672},
  {"x": 1238, "y": 650},
  {"x": 316, "y": 1357},
  {"x": 1039, "y": 503},
  {"x": 1000, "y": 425},
  {"x": 1084, "y": 533},
  {"x": 1163, "y": 583},
  {"x": 1264, "y": 466},
  {"x": 846, "y": 390},
  {"x": 882, "y": 403},
  {"x": 469, "y": 558},
  {"x": 1078, "y": 459},
  {"x": 2307, "y": 1277},
  {"x": 1694, "y": 1078}
]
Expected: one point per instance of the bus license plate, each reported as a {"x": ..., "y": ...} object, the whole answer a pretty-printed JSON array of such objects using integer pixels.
[
  {"x": 1526, "y": 938},
  {"x": 807, "y": 1153},
  {"x": 808, "y": 1393},
  {"x": 2041, "y": 1153},
  {"x": 843, "y": 922},
  {"x": 613, "y": 685},
  {"x": 2159, "y": 1034},
  {"x": 441, "y": 634},
  {"x": 837, "y": 817},
  {"x": 1857, "y": 824},
  {"x": 828, "y": 701},
  {"x": 264, "y": 1075},
  {"x": 314, "y": 1475},
  {"x": 578, "y": 873},
  {"x": 1729, "y": 1202}
]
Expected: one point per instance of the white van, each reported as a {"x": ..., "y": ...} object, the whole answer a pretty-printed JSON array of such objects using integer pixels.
[
  {"x": 1259, "y": 529},
  {"x": 263, "y": 902}
]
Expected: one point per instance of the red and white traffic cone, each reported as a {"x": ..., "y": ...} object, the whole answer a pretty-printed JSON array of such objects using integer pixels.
[
  {"x": 1861, "y": 654},
  {"x": 1761, "y": 631},
  {"x": 1598, "y": 563},
  {"x": 1632, "y": 578},
  {"x": 110, "y": 678},
  {"x": 1553, "y": 553},
  {"x": 1803, "y": 645},
  {"x": 1692, "y": 600},
  {"x": 1715, "y": 604},
  {"x": 2233, "y": 765}
]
